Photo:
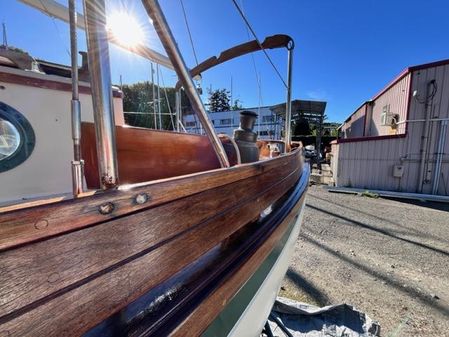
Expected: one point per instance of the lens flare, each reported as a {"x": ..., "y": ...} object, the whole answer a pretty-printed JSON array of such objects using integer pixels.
[{"x": 125, "y": 29}]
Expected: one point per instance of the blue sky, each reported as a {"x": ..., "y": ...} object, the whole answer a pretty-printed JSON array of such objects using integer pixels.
[{"x": 346, "y": 50}]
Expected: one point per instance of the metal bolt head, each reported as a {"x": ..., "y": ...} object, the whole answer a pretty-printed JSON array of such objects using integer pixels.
[
  {"x": 141, "y": 198},
  {"x": 106, "y": 208}
]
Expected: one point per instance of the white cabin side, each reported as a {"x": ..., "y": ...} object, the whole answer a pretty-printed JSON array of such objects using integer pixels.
[{"x": 47, "y": 171}]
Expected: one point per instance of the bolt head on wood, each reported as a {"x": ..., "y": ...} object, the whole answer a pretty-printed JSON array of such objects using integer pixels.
[
  {"x": 141, "y": 198},
  {"x": 106, "y": 208}
]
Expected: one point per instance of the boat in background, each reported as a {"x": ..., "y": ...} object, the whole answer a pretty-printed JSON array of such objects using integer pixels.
[{"x": 164, "y": 233}]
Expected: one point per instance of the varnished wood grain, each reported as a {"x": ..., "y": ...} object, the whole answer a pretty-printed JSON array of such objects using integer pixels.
[
  {"x": 88, "y": 303},
  {"x": 210, "y": 308},
  {"x": 24, "y": 225},
  {"x": 145, "y": 155},
  {"x": 68, "y": 259}
]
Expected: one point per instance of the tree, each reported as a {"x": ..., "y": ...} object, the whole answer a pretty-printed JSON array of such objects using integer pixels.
[
  {"x": 138, "y": 97},
  {"x": 237, "y": 105},
  {"x": 302, "y": 128},
  {"x": 219, "y": 100}
]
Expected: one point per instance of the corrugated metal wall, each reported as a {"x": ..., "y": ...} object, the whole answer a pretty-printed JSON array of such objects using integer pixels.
[
  {"x": 395, "y": 100},
  {"x": 370, "y": 163},
  {"x": 438, "y": 108},
  {"x": 355, "y": 126}
]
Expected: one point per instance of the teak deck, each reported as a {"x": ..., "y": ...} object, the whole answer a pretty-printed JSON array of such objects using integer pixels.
[{"x": 84, "y": 265}]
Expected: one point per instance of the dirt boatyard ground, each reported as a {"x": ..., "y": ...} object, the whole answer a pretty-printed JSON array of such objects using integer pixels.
[{"x": 387, "y": 258}]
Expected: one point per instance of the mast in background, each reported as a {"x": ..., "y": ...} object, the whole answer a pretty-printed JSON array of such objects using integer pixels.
[
  {"x": 153, "y": 96},
  {"x": 5, "y": 37},
  {"x": 158, "y": 97},
  {"x": 165, "y": 35}
]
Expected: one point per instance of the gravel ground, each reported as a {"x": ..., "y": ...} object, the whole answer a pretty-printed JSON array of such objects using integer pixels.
[{"x": 387, "y": 258}]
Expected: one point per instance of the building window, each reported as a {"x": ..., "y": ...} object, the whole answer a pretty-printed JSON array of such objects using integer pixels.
[
  {"x": 385, "y": 114},
  {"x": 267, "y": 119},
  {"x": 190, "y": 124},
  {"x": 226, "y": 121},
  {"x": 17, "y": 138}
]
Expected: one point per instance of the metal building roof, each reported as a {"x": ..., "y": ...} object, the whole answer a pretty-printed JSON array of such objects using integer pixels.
[{"x": 310, "y": 110}]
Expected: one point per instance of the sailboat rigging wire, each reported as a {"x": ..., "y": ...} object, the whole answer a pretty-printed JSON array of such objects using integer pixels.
[
  {"x": 188, "y": 30},
  {"x": 55, "y": 25},
  {"x": 166, "y": 99},
  {"x": 258, "y": 80},
  {"x": 190, "y": 36},
  {"x": 257, "y": 40}
]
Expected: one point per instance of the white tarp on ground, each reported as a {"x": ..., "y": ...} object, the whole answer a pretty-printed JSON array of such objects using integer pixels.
[{"x": 306, "y": 320}]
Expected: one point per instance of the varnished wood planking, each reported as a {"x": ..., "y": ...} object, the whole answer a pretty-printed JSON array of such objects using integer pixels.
[
  {"x": 94, "y": 301},
  {"x": 145, "y": 155},
  {"x": 210, "y": 308},
  {"x": 30, "y": 224},
  {"x": 48, "y": 266}
]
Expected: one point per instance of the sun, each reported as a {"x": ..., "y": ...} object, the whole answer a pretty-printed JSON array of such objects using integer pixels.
[{"x": 125, "y": 29}]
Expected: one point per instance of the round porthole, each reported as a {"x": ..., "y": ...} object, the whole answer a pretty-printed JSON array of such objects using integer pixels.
[{"x": 17, "y": 138}]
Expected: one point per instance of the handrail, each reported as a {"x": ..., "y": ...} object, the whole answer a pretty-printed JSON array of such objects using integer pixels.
[
  {"x": 165, "y": 35},
  {"x": 270, "y": 42},
  {"x": 288, "y": 107},
  {"x": 100, "y": 83}
]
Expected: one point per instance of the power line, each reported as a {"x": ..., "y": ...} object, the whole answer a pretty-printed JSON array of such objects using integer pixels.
[
  {"x": 258, "y": 42},
  {"x": 188, "y": 30}
]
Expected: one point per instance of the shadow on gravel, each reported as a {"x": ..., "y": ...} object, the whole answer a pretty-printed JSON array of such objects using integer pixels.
[
  {"x": 439, "y": 206},
  {"x": 412, "y": 292},
  {"x": 378, "y": 230},
  {"x": 409, "y": 230},
  {"x": 307, "y": 287}
]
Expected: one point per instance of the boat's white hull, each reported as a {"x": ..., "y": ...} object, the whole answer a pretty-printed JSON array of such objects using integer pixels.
[{"x": 253, "y": 319}]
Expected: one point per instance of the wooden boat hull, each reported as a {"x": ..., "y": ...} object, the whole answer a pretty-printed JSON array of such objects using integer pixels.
[
  {"x": 110, "y": 265},
  {"x": 262, "y": 288},
  {"x": 247, "y": 312}
]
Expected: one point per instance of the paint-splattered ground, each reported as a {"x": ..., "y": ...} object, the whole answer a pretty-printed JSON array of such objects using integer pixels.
[{"x": 388, "y": 258}]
